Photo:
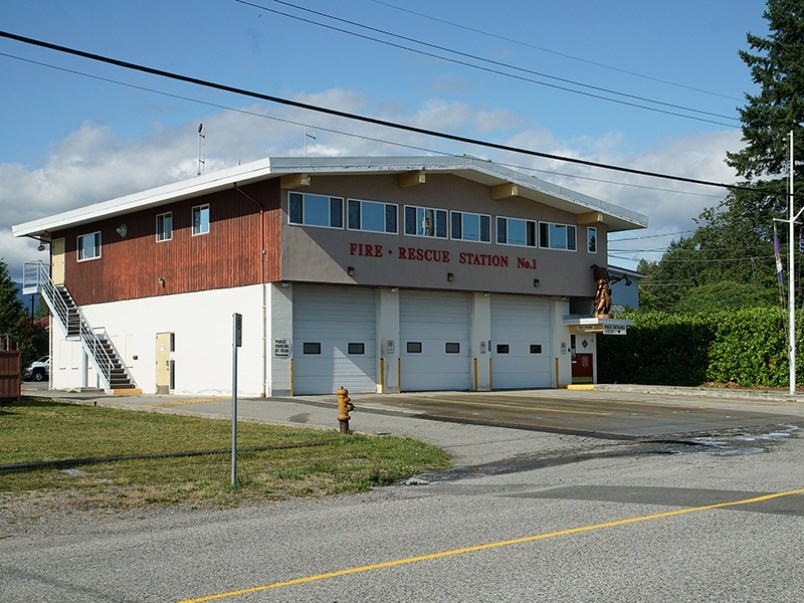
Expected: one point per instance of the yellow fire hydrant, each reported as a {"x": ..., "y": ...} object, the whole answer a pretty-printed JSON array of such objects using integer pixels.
[{"x": 345, "y": 406}]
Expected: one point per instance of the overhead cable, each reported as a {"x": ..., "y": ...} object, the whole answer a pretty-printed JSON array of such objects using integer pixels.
[
  {"x": 492, "y": 62},
  {"x": 362, "y": 118},
  {"x": 349, "y": 134},
  {"x": 554, "y": 52}
]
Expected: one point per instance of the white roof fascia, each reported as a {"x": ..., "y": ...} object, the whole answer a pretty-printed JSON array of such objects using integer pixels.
[
  {"x": 464, "y": 165},
  {"x": 152, "y": 197},
  {"x": 625, "y": 271}
]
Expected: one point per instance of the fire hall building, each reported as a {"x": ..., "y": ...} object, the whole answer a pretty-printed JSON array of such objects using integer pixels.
[{"x": 379, "y": 274}]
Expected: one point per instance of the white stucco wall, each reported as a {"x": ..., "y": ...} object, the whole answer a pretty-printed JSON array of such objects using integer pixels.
[{"x": 200, "y": 321}]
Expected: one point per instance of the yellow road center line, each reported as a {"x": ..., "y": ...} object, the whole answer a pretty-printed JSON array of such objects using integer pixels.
[
  {"x": 544, "y": 408},
  {"x": 492, "y": 545}
]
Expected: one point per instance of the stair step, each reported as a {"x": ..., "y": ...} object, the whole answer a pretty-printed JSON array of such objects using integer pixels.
[{"x": 104, "y": 350}]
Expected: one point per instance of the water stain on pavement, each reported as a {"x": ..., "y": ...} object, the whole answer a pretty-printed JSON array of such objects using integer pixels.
[{"x": 725, "y": 443}]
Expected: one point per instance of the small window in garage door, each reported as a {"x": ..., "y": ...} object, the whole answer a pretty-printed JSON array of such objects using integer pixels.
[{"x": 311, "y": 348}]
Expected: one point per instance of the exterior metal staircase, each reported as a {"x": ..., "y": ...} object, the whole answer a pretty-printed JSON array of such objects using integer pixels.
[{"x": 98, "y": 345}]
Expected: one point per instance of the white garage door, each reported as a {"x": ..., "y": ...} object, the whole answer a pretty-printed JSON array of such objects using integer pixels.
[
  {"x": 434, "y": 329},
  {"x": 334, "y": 342},
  {"x": 520, "y": 342}
]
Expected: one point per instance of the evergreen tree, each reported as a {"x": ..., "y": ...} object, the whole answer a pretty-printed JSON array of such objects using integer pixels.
[
  {"x": 733, "y": 244},
  {"x": 777, "y": 67},
  {"x": 13, "y": 318}
]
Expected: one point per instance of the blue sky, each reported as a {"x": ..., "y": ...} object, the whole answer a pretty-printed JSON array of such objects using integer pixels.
[{"x": 69, "y": 139}]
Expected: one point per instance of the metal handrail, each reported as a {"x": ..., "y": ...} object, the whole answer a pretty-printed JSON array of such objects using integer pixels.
[{"x": 36, "y": 275}]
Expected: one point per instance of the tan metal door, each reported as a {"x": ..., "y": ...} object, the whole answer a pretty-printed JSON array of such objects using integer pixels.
[
  {"x": 57, "y": 262},
  {"x": 163, "y": 363}
]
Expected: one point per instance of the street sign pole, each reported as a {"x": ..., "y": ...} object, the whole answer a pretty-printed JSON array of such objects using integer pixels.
[{"x": 237, "y": 336}]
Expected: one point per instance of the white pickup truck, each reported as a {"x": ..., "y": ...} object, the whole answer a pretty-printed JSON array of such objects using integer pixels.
[{"x": 39, "y": 370}]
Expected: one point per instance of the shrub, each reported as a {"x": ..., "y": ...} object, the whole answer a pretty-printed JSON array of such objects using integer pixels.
[{"x": 747, "y": 347}]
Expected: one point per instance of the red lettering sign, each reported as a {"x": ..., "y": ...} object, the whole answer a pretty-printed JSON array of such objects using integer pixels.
[
  {"x": 424, "y": 255},
  {"x": 418, "y": 254},
  {"x": 366, "y": 251},
  {"x": 483, "y": 259}
]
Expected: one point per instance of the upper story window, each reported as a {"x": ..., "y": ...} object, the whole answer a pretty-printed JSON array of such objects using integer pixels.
[
  {"x": 372, "y": 216},
  {"x": 89, "y": 246},
  {"x": 200, "y": 219},
  {"x": 471, "y": 227},
  {"x": 315, "y": 210},
  {"x": 164, "y": 226},
  {"x": 591, "y": 239},
  {"x": 515, "y": 231},
  {"x": 557, "y": 236},
  {"x": 425, "y": 222}
]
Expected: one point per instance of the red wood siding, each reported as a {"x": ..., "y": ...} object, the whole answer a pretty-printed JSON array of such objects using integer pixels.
[{"x": 230, "y": 255}]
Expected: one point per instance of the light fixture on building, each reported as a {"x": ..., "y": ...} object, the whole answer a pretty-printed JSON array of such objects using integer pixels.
[
  {"x": 350, "y": 270},
  {"x": 394, "y": 290},
  {"x": 161, "y": 281},
  {"x": 536, "y": 282},
  {"x": 41, "y": 246},
  {"x": 122, "y": 230},
  {"x": 450, "y": 277}
]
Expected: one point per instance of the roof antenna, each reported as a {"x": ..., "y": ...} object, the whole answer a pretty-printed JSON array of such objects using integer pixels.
[
  {"x": 306, "y": 136},
  {"x": 201, "y": 162}
]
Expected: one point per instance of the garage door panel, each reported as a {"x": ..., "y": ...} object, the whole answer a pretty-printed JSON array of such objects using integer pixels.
[
  {"x": 434, "y": 329},
  {"x": 520, "y": 331},
  {"x": 334, "y": 340}
]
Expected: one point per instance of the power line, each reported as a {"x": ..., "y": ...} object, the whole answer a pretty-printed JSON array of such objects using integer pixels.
[
  {"x": 491, "y": 62},
  {"x": 342, "y": 132},
  {"x": 706, "y": 260},
  {"x": 363, "y": 118},
  {"x": 655, "y": 236},
  {"x": 555, "y": 52}
]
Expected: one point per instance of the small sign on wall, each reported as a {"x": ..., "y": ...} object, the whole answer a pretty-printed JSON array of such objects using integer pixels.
[{"x": 281, "y": 348}]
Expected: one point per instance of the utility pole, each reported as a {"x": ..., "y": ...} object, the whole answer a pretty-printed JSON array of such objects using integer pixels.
[{"x": 791, "y": 262}]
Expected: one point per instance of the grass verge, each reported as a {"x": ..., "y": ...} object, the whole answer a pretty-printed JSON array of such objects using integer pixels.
[{"x": 44, "y": 430}]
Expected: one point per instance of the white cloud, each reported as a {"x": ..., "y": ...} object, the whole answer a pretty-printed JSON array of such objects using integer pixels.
[{"x": 95, "y": 164}]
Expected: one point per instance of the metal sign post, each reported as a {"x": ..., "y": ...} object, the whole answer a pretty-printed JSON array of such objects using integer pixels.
[{"x": 237, "y": 339}]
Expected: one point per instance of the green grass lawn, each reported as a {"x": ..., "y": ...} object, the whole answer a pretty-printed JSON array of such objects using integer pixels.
[{"x": 313, "y": 462}]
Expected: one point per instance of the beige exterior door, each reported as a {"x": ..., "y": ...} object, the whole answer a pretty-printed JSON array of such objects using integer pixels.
[
  {"x": 57, "y": 261},
  {"x": 163, "y": 366}
]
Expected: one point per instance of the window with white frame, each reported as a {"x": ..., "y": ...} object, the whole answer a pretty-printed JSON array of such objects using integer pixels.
[
  {"x": 425, "y": 222},
  {"x": 557, "y": 236},
  {"x": 372, "y": 216},
  {"x": 467, "y": 226},
  {"x": 306, "y": 209},
  {"x": 89, "y": 246},
  {"x": 164, "y": 226},
  {"x": 200, "y": 219},
  {"x": 515, "y": 231},
  {"x": 591, "y": 239}
]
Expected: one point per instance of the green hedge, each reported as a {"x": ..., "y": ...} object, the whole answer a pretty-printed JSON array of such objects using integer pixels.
[{"x": 747, "y": 347}]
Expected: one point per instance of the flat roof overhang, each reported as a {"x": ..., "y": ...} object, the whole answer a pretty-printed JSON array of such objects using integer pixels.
[{"x": 588, "y": 209}]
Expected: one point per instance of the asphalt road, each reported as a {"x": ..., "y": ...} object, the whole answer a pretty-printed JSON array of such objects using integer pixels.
[
  {"x": 600, "y": 413},
  {"x": 527, "y": 516}
]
